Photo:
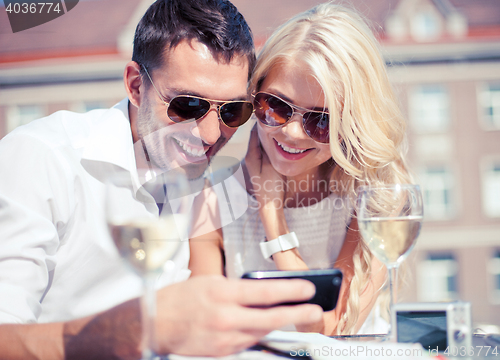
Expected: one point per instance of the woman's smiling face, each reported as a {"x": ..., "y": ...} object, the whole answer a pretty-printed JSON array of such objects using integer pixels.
[{"x": 291, "y": 151}]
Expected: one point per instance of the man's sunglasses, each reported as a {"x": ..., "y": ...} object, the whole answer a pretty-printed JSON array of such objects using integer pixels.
[
  {"x": 274, "y": 111},
  {"x": 187, "y": 108}
]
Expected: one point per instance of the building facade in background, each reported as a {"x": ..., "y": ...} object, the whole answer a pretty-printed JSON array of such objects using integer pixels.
[
  {"x": 444, "y": 61},
  {"x": 444, "y": 58}
]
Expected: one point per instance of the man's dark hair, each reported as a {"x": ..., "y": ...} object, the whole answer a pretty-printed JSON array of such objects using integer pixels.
[{"x": 215, "y": 23}]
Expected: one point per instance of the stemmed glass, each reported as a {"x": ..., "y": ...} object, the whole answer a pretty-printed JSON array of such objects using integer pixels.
[
  {"x": 389, "y": 219},
  {"x": 148, "y": 217}
]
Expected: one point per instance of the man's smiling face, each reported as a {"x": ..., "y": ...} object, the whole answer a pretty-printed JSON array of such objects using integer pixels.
[{"x": 189, "y": 69}]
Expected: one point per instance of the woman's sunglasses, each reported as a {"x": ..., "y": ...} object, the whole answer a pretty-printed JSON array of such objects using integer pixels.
[
  {"x": 187, "y": 108},
  {"x": 274, "y": 111}
]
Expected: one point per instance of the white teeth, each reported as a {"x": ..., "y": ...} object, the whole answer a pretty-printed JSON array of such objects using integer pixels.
[
  {"x": 190, "y": 150},
  {"x": 290, "y": 150}
]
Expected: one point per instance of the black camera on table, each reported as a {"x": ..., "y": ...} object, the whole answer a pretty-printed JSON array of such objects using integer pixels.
[{"x": 445, "y": 327}]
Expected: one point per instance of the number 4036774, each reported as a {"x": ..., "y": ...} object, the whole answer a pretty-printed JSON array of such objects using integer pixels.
[
  {"x": 33, "y": 8},
  {"x": 471, "y": 351}
]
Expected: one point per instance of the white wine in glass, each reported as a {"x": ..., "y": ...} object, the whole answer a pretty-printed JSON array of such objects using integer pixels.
[
  {"x": 389, "y": 220},
  {"x": 147, "y": 222},
  {"x": 145, "y": 244}
]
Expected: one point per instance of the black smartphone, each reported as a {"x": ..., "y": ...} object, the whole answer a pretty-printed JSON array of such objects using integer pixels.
[{"x": 327, "y": 283}]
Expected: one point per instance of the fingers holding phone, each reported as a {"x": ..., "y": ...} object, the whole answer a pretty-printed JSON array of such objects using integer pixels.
[{"x": 327, "y": 283}]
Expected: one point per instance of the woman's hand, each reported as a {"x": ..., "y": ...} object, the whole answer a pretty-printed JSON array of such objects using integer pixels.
[
  {"x": 266, "y": 184},
  {"x": 269, "y": 189}
]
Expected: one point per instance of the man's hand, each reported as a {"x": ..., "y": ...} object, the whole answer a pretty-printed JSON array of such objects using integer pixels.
[
  {"x": 205, "y": 315},
  {"x": 215, "y": 316}
]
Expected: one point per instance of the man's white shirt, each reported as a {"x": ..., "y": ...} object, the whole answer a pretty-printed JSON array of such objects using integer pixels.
[{"x": 57, "y": 259}]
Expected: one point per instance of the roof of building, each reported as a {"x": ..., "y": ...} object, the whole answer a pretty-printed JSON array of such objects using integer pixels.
[
  {"x": 480, "y": 13},
  {"x": 91, "y": 27},
  {"x": 94, "y": 27},
  {"x": 263, "y": 20}
]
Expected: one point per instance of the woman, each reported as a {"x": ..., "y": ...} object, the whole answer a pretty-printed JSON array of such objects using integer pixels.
[{"x": 328, "y": 121}]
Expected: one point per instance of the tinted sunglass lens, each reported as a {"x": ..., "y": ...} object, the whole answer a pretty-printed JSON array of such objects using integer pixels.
[
  {"x": 236, "y": 113},
  {"x": 187, "y": 108},
  {"x": 317, "y": 126},
  {"x": 271, "y": 110}
]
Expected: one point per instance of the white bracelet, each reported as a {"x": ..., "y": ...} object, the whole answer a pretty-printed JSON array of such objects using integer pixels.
[{"x": 281, "y": 243}]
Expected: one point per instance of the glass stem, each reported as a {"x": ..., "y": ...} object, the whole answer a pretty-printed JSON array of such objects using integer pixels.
[
  {"x": 393, "y": 290},
  {"x": 148, "y": 310}
]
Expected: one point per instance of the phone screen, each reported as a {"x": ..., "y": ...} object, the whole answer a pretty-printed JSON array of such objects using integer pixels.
[{"x": 327, "y": 283}]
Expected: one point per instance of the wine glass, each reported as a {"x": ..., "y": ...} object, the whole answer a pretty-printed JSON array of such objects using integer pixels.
[
  {"x": 148, "y": 217},
  {"x": 389, "y": 219}
]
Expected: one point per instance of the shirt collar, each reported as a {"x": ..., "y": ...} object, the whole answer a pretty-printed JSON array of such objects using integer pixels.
[{"x": 110, "y": 139}]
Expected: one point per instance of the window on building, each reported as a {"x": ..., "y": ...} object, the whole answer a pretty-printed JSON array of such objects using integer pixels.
[
  {"x": 92, "y": 105},
  {"x": 396, "y": 27},
  {"x": 489, "y": 101},
  {"x": 88, "y": 105},
  {"x": 437, "y": 183},
  {"x": 438, "y": 278},
  {"x": 23, "y": 114},
  {"x": 426, "y": 26},
  {"x": 430, "y": 109},
  {"x": 494, "y": 271},
  {"x": 491, "y": 188}
]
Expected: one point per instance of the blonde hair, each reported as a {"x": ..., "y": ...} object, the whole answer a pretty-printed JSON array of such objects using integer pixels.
[{"x": 367, "y": 129}]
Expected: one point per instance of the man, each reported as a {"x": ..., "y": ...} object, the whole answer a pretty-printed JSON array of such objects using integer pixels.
[{"x": 58, "y": 268}]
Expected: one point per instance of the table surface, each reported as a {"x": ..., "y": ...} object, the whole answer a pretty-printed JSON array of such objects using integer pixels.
[{"x": 483, "y": 347}]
